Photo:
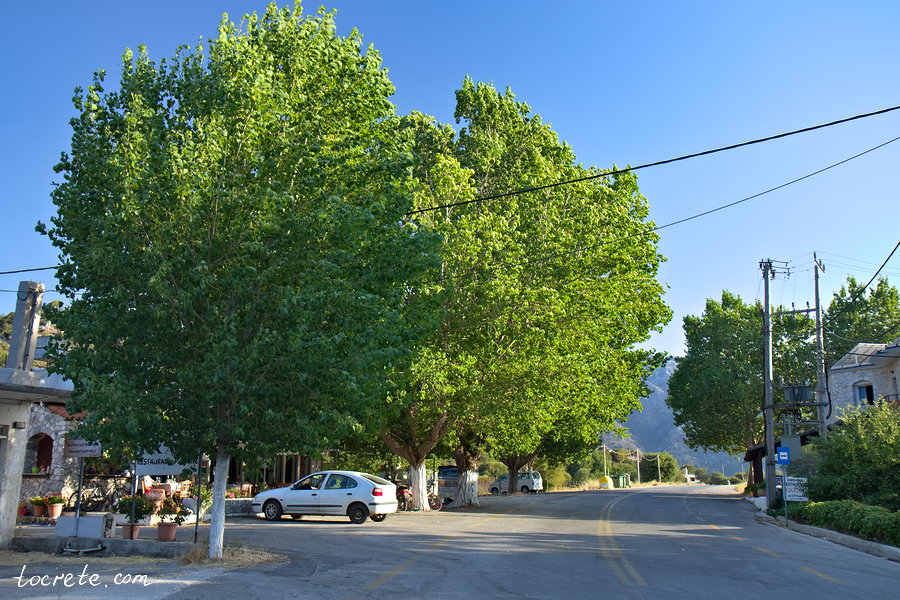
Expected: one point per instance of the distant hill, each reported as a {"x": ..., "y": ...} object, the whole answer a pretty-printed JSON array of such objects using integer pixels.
[{"x": 653, "y": 430}]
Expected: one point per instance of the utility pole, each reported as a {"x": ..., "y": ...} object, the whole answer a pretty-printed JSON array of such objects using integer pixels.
[
  {"x": 605, "y": 474},
  {"x": 768, "y": 408},
  {"x": 820, "y": 357},
  {"x": 638, "y": 465}
]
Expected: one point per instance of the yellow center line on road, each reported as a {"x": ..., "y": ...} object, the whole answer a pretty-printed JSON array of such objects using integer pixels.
[
  {"x": 767, "y": 551},
  {"x": 822, "y": 575},
  {"x": 610, "y": 548}
]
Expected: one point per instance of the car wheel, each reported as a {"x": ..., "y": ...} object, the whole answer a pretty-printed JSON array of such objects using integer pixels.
[
  {"x": 495, "y": 492},
  {"x": 272, "y": 510},
  {"x": 378, "y": 518},
  {"x": 358, "y": 513},
  {"x": 524, "y": 489}
]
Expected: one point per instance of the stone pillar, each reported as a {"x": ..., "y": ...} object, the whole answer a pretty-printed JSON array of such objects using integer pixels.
[
  {"x": 12, "y": 457},
  {"x": 25, "y": 325}
]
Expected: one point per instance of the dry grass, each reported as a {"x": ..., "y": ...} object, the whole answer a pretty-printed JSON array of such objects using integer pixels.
[
  {"x": 10, "y": 558},
  {"x": 234, "y": 557}
]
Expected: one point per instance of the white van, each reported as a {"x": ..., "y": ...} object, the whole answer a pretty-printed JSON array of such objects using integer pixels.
[{"x": 529, "y": 481}]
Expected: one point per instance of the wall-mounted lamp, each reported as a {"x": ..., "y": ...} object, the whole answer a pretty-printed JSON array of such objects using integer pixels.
[{"x": 19, "y": 424}]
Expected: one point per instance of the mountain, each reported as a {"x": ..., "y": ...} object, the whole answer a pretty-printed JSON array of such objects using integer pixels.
[{"x": 653, "y": 430}]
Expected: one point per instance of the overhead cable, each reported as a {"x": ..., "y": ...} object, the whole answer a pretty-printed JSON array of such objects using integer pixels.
[
  {"x": 673, "y": 223},
  {"x": 653, "y": 164},
  {"x": 859, "y": 294}
]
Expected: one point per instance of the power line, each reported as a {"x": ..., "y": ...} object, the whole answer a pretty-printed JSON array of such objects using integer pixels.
[
  {"x": 653, "y": 164},
  {"x": 859, "y": 294},
  {"x": 672, "y": 224},
  {"x": 28, "y": 270}
]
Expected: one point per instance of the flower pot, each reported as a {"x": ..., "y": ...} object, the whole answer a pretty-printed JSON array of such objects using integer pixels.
[
  {"x": 166, "y": 532},
  {"x": 130, "y": 532},
  {"x": 40, "y": 510},
  {"x": 54, "y": 510}
]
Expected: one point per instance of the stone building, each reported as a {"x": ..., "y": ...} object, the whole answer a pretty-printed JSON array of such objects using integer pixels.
[
  {"x": 20, "y": 388},
  {"x": 863, "y": 375},
  {"x": 46, "y": 471}
]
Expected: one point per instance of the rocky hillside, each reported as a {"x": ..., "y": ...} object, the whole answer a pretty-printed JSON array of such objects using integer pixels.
[{"x": 653, "y": 430}]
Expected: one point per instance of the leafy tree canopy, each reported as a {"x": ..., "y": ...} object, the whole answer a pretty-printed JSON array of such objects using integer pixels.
[
  {"x": 231, "y": 229},
  {"x": 717, "y": 390},
  {"x": 543, "y": 295},
  {"x": 874, "y": 316}
]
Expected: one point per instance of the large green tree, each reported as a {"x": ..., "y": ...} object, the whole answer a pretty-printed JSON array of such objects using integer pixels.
[
  {"x": 717, "y": 390},
  {"x": 858, "y": 315},
  {"x": 543, "y": 294},
  {"x": 233, "y": 245}
]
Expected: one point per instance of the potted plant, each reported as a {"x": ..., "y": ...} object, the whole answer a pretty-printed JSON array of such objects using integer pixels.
[
  {"x": 156, "y": 500},
  {"x": 39, "y": 506},
  {"x": 171, "y": 515},
  {"x": 55, "y": 505},
  {"x": 134, "y": 508}
]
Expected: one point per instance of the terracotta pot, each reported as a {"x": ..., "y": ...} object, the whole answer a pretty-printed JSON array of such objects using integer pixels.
[
  {"x": 166, "y": 532},
  {"x": 130, "y": 532},
  {"x": 40, "y": 510},
  {"x": 54, "y": 510}
]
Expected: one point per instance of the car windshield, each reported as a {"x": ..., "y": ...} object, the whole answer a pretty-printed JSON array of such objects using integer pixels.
[{"x": 375, "y": 479}]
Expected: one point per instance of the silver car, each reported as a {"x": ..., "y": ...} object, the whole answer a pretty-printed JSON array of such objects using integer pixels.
[
  {"x": 528, "y": 481},
  {"x": 358, "y": 495}
]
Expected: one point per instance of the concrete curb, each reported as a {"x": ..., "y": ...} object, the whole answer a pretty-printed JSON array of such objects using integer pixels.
[
  {"x": 111, "y": 546},
  {"x": 850, "y": 541}
]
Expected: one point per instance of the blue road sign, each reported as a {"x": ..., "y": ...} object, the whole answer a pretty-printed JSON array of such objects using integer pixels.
[{"x": 783, "y": 455}]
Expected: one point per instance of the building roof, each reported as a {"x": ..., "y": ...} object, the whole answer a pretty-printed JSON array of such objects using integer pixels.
[{"x": 868, "y": 355}]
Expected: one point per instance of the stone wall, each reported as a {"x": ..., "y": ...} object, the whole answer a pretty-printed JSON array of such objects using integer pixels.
[
  {"x": 842, "y": 384},
  {"x": 61, "y": 478}
]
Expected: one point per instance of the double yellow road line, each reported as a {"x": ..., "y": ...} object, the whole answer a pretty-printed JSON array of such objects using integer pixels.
[{"x": 618, "y": 562}]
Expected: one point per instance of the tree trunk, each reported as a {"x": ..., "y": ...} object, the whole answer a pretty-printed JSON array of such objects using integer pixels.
[
  {"x": 467, "y": 489},
  {"x": 513, "y": 464},
  {"x": 217, "y": 518},
  {"x": 418, "y": 486},
  {"x": 467, "y": 485}
]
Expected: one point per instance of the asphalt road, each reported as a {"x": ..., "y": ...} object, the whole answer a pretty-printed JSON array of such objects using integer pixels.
[{"x": 660, "y": 542}]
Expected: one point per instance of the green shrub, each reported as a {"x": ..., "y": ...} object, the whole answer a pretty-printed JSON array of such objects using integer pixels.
[
  {"x": 492, "y": 469},
  {"x": 556, "y": 478},
  {"x": 860, "y": 460},
  {"x": 718, "y": 478},
  {"x": 582, "y": 475},
  {"x": 870, "y": 522}
]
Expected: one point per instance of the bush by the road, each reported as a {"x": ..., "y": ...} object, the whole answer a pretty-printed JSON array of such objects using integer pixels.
[
  {"x": 860, "y": 459},
  {"x": 874, "y": 523},
  {"x": 718, "y": 478}
]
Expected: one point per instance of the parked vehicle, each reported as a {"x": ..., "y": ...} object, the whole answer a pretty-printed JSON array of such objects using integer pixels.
[
  {"x": 447, "y": 480},
  {"x": 358, "y": 495},
  {"x": 528, "y": 481}
]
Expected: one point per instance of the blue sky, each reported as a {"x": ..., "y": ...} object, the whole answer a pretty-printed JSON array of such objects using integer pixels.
[{"x": 623, "y": 83}]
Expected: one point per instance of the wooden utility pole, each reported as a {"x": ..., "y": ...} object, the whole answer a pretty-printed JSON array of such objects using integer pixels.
[
  {"x": 768, "y": 408},
  {"x": 820, "y": 358}
]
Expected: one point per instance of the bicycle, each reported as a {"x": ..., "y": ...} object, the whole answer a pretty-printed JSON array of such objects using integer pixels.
[
  {"x": 405, "y": 500},
  {"x": 96, "y": 499}
]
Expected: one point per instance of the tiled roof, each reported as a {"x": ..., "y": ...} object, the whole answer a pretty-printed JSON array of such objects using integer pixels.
[{"x": 60, "y": 410}]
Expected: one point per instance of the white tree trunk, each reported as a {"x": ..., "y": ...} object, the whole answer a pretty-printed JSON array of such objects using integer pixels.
[
  {"x": 217, "y": 515},
  {"x": 418, "y": 487},
  {"x": 467, "y": 489}
]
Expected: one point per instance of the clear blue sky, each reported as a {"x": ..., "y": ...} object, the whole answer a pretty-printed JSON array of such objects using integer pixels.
[{"x": 623, "y": 83}]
